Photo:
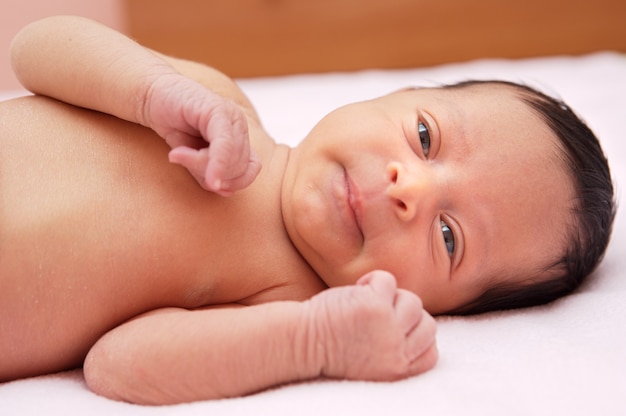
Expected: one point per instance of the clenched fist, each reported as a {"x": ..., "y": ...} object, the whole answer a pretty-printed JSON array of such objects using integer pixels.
[
  {"x": 371, "y": 331},
  {"x": 208, "y": 133}
]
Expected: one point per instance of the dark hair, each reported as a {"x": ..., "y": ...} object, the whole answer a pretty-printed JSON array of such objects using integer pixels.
[{"x": 593, "y": 212}]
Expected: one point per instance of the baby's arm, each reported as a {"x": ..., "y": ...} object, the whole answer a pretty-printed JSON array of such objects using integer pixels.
[
  {"x": 81, "y": 62},
  {"x": 369, "y": 331}
]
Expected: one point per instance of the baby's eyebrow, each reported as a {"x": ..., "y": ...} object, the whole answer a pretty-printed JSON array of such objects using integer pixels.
[{"x": 452, "y": 126}]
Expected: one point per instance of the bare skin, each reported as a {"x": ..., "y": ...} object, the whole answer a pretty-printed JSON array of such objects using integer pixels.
[
  {"x": 103, "y": 241},
  {"x": 79, "y": 236},
  {"x": 110, "y": 256},
  {"x": 139, "y": 269}
]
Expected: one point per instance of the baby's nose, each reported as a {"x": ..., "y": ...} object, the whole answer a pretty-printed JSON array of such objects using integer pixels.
[{"x": 411, "y": 190}]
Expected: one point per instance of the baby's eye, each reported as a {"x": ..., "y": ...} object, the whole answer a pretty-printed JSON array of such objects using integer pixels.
[
  {"x": 448, "y": 237},
  {"x": 424, "y": 134}
]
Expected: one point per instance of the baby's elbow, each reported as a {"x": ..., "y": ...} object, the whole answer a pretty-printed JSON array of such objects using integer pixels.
[
  {"x": 120, "y": 374},
  {"x": 110, "y": 373},
  {"x": 16, "y": 51},
  {"x": 101, "y": 373},
  {"x": 28, "y": 42}
]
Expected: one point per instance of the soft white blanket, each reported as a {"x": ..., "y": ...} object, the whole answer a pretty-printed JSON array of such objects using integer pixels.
[{"x": 567, "y": 358}]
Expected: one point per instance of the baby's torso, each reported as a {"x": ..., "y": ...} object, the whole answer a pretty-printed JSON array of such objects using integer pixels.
[{"x": 96, "y": 227}]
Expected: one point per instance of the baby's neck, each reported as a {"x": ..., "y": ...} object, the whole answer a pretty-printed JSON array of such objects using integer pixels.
[{"x": 285, "y": 273}]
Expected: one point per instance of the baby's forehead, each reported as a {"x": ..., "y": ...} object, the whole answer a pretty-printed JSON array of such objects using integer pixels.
[
  {"x": 465, "y": 97},
  {"x": 485, "y": 102},
  {"x": 471, "y": 100}
]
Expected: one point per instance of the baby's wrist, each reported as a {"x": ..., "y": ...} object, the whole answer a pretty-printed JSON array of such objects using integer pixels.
[
  {"x": 309, "y": 349},
  {"x": 154, "y": 92}
]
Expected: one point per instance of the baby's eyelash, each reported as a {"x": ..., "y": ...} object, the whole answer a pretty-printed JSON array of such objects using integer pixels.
[
  {"x": 448, "y": 237},
  {"x": 424, "y": 137}
]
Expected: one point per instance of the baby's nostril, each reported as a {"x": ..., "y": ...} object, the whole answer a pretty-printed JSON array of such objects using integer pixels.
[{"x": 401, "y": 205}]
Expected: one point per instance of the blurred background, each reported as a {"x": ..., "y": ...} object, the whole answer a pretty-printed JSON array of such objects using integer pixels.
[
  {"x": 246, "y": 38},
  {"x": 14, "y": 14}
]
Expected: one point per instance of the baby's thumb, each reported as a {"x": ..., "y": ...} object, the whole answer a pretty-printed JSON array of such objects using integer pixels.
[
  {"x": 380, "y": 281},
  {"x": 195, "y": 161},
  {"x": 238, "y": 181}
]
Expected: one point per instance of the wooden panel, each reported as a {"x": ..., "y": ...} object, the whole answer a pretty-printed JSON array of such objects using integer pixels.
[{"x": 273, "y": 37}]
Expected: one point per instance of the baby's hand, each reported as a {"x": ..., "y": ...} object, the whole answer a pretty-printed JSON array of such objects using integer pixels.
[
  {"x": 208, "y": 133},
  {"x": 372, "y": 331}
]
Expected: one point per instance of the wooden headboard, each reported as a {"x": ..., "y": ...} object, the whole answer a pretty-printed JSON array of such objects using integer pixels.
[{"x": 273, "y": 37}]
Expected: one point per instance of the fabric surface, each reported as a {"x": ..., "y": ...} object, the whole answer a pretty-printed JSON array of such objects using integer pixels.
[{"x": 566, "y": 358}]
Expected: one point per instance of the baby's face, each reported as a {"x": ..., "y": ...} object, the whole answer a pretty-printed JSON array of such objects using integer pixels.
[{"x": 443, "y": 188}]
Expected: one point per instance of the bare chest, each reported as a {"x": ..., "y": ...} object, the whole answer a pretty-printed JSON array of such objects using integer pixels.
[{"x": 97, "y": 227}]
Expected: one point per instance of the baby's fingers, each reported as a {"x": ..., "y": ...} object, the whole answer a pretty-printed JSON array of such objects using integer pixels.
[
  {"x": 409, "y": 310},
  {"x": 195, "y": 161},
  {"x": 421, "y": 348},
  {"x": 233, "y": 164},
  {"x": 228, "y": 186},
  {"x": 383, "y": 283},
  {"x": 425, "y": 362}
]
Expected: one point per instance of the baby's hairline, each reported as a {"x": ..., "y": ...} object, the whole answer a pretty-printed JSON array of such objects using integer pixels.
[
  {"x": 475, "y": 83},
  {"x": 549, "y": 279},
  {"x": 495, "y": 289}
]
